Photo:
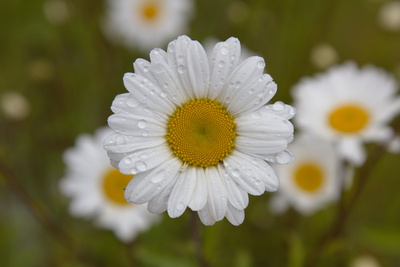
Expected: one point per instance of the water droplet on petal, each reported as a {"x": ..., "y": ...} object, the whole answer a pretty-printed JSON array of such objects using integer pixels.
[
  {"x": 235, "y": 173},
  {"x": 278, "y": 106},
  {"x": 158, "y": 68},
  {"x": 142, "y": 124},
  {"x": 261, "y": 64},
  {"x": 181, "y": 69},
  {"x": 256, "y": 115},
  {"x": 141, "y": 166},
  {"x": 221, "y": 64},
  {"x": 128, "y": 161},
  {"x": 224, "y": 50},
  {"x": 145, "y": 133},
  {"x": 145, "y": 69},
  {"x": 132, "y": 102}
]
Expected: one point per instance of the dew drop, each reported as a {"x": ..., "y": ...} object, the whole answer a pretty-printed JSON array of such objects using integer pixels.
[
  {"x": 278, "y": 106},
  {"x": 261, "y": 64},
  {"x": 145, "y": 69},
  {"x": 181, "y": 69},
  {"x": 235, "y": 173},
  {"x": 256, "y": 115},
  {"x": 221, "y": 64},
  {"x": 227, "y": 99},
  {"x": 163, "y": 94},
  {"x": 272, "y": 91},
  {"x": 142, "y": 124},
  {"x": 238, "y": 84},
  {"x": 145, "y": 133},
  {"x": 141, "y": 166},
  {"x": 120, "y": 141},
  {"x": 251, "y": 91},
  {"x": 144, "y": 156},
  {"x": 180, "y": 59},
  {"x": 132, "y": 102},
  {"x": 224, "y": 50},
  {"x": 128, "y": 161}
]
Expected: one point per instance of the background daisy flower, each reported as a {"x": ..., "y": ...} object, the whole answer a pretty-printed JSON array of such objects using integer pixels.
[
  {"x": 348, "y": 105},
  {"x": 96, "y": 189},
  {"x": 197, "y": 133},
  {"x": 312, "y": 180},
  {"x": 145, "y": 24}
]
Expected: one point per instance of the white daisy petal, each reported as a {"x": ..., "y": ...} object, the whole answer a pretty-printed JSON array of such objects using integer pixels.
[
  {"x": 217, "y": 196},
  {"x": 205, "y": 216},
  {"x": 159, "y": 203},
  {"x": 200, "y": 194},
  {"x": 136, "y": 125},
  {"x": 182, "y": 192},
  {"x": 244, "y": 174},
  {"x": 263, "y": 125},
  {"x": 198, "y": 69},
  {"x": 236, "y": 195},
  {"x": 153, "y": 183},
  {"x": 166, "y": 77},
  {"x": 225, "y": 56},
  {"x": 281, "y": 109},
  {"x": 144, "y": 159},
  {"x": 260, "y": 147},
  {"x": 234, "y": 216},
  {"x": 283, "y": 157},
  {"x": 120, "y": 143},
  {"x": 249, "y": 70},
  {"x": 255, "y": 94},
  {"x": 148, "y": 93},
  {"x": 352, "y": 150}
]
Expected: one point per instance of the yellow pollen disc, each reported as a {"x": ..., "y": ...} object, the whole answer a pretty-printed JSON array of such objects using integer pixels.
[
  {"x": 114, "y": 184},
  {"x": 348, "y": 119},
  {"x": 150, "y": 10},
  {"x": 201, "y": 132},
  {"x": 309, "y": 177}
]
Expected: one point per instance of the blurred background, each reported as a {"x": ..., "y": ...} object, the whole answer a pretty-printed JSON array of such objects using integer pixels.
[{"x": 59, "y": 73}]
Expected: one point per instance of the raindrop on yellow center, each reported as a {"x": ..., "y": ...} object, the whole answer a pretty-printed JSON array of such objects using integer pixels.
[
  {"x": 114, "y": 184},
  {"x": 201, "y": 132},
  {"x": 309, "y": 177},
  {"x": 349, "y": 119}
]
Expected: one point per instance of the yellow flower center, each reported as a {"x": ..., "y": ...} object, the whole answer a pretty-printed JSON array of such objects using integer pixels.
[
  {"x": 309, "y": 177},
  {"x": 201, "y": 132},
  {"x": 150, "y": 10},
  {"x": 349, "y": 118},
  {"x": 114, "y": 184}
]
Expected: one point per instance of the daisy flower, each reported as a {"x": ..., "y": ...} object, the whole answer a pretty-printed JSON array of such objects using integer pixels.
[
  {"x": 348, "y": 105},
  {"x": 196, "y": 131},
  {"x": 96, "y": 189},
  {"x": 145, "y": 24},
  {"x": 312, "y": 181}
]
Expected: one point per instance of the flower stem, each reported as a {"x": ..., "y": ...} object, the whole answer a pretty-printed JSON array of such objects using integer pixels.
[
  {"x": 345, "y": 208},
  {"x": 197, "y": 239}
]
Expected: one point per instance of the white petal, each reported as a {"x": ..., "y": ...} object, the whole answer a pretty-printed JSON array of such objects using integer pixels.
[
  {"x": 259, "y": 147},
  {"x": 281, "y": 109},
  {"x": 283, "y": 157},
  {"x": 225, "y": 56},
  {"x": 234, "y": 216},
  {"x": 352, "y": 149},
  {"x": 136, "y": 125},
  {"x": 217, "y": 196},
  {"x": 244, "y": 173},
  {"x": 167, "y": 79},
  {"x": 245, "y": 73},
  {"x": 159, "y": 203},
  {"x": 142, "y": 67},
  {"x": 153, "y": 183},
  {"x": 148, "y": 93},
  {"x": 264, "y": 125},
  {"x": 182, "y": 192},
  {"x": 120, "y": 143},
  {"x": 129, "y": 104},
  {"x": 198, "y": 69},
  {"x": 144, "y": 159},
  {"x": 205, "y": 216},
  {"x": 236, "y": 195},
  {"x": 254, "y": 94},
  {"x": 200, "y": 194}
]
